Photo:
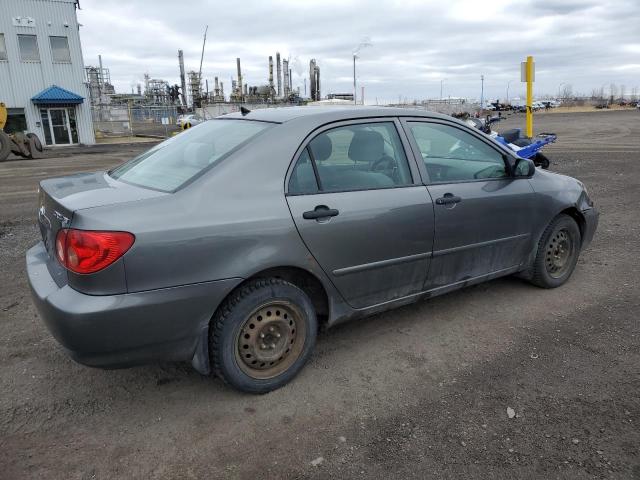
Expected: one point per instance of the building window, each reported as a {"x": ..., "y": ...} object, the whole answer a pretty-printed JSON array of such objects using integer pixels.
[
  {"x": 28, "y": 48},
  {"x": 60, "y": 49},
  {"x": 3, "y": 48}
]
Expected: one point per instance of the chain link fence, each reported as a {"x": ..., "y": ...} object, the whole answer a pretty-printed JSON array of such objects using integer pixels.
[{"x": 122, "y": 120}]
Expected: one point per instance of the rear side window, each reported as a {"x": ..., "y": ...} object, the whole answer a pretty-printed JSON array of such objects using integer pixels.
[
  {"x": 174, "y": 162},
  {"x": 363, "y": 156}
]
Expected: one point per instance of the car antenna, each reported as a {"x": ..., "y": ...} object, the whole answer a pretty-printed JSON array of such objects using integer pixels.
[{"x": 244, "y": 111}]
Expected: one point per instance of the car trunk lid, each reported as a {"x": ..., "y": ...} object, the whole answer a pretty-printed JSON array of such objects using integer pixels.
[{"x": 60, "y": 198}]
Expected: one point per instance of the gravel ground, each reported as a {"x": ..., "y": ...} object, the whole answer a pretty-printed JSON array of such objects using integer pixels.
[{"x": 425, "y": 391}]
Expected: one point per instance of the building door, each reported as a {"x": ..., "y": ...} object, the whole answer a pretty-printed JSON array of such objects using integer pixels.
[{"x": 59, "y": 125}]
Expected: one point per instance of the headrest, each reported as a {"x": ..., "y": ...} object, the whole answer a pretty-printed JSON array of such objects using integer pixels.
[
  {"x": 366, "y": 146},
  {"x": 321, "y": 147},
  {"x": 199, "y": 154}
]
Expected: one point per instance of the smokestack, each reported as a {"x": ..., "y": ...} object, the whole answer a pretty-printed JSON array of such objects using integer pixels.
[
  {"x": 290, "y": 81},
  {"x": 285, "y": 71},
  {"x": 183, "y": 81},
  {"x": 100, "y": 79},
  {"x": 279, "y": 74},
  {"x": 271, "y": 72},
  {"x": 216, "y": 88},
  {"x": 239, "y": 78},
  {"x": 314, "y": 79},
  {"x": 222, "y": 90}
]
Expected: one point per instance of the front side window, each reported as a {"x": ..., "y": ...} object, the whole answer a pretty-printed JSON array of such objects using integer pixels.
[
  {"x": 174, "y": 162},
  {"x": 452, "y": 155},
  {"x": 28, "y": 48},
  {"x": 60, "y": 49},
  {"x": 3, "y": 48},
  {"x": 361, "y": 156}
]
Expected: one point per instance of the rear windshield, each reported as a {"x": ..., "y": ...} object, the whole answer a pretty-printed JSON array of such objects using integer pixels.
[{"x": 172, "y": 163}]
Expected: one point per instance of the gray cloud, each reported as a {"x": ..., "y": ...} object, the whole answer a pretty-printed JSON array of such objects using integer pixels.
[{"x": 416, "y": 43}]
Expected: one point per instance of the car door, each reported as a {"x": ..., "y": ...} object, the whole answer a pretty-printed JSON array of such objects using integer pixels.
[
  {"x": 482, "y": 212},
  {"x": 359, "y": 211}
]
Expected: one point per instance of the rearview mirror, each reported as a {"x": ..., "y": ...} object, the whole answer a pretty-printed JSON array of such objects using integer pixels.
[{"x": 524, "y": 167}]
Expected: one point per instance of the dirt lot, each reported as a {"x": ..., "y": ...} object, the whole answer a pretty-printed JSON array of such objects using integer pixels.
[{"x": 420, "y": 392}]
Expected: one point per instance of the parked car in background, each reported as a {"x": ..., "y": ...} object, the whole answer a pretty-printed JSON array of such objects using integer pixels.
[
  {"x": 189, "y": 120},
  {"x": 229, "y": 245}
]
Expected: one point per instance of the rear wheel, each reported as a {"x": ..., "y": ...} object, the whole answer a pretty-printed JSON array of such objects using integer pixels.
[
  {"x": 262, "y": 335},
  {"x": 558, "y": 253}
]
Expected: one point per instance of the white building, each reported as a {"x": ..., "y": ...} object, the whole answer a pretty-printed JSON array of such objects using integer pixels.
[{"x": 42, "y": 72}]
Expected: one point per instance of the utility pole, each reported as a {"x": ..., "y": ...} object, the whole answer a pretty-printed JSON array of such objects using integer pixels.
[
  {"x": 365, "y": 43},
  {"x": 508, "y": 83},
  {"x": 441, "y": 83},
  {"x": 559, "y": 86},
  {"x": 354, "y": 79},
  {"x": 481, "y": 94}
]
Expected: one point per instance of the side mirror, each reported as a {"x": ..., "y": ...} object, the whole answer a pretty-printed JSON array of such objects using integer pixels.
[{"x": 524, "y": 167}]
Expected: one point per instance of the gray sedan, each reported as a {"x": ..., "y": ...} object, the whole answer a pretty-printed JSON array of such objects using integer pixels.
[{"x": 231, "y": 244}]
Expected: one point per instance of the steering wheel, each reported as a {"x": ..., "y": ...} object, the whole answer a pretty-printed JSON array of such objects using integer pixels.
[{"x": 383, "y": 163}]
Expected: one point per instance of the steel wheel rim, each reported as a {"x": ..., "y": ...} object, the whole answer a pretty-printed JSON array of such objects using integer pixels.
[
  {"x": 559, "y": 253},
  {"x": 270, "y": 340}
]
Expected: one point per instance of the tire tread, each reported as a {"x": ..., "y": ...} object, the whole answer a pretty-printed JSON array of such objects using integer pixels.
[{"x": 537, "y": 276}]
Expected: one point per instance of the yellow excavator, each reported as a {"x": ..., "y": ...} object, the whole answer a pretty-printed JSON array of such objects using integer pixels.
[{"x": 24, "y": 145}]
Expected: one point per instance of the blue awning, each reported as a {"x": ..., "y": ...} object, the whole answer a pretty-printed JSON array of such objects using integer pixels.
[{"x": 55, "y": 95}]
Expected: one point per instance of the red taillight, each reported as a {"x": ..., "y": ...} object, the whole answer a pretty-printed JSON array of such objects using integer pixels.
[{"x": 88, "y": 251}]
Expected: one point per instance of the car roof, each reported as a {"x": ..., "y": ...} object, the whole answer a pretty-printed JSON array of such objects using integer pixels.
[{"x": 330, "y": 113}]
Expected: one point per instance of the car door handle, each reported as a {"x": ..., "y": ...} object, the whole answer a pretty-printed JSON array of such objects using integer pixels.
[
  {"x": 321, "y": 211},
  {"x": 448, "y": 199}
]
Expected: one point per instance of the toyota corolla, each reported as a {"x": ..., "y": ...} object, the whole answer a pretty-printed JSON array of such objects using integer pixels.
[{"x": 231, "y": 244}]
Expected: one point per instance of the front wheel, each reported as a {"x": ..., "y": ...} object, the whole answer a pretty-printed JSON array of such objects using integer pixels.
[
  {"x": 262, "y": 335},
  {"x": 558, "y": 252}
]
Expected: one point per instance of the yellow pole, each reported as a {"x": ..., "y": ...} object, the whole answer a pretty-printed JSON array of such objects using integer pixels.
[{"x": 529, "y": 78}]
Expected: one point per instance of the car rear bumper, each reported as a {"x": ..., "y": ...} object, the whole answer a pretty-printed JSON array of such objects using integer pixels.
[
  {"x": 591, "y": 217},
  {"x": 113, "y": 331}
]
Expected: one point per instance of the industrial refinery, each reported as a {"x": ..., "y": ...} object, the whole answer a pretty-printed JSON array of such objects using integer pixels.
[{"x": 195, "y": 92}]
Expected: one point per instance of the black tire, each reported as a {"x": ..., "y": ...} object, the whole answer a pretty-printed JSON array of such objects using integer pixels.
[
  {"x": 541, "y": 160},
  {"x": 561, "y": 235},
  {"x": 5, "y": 146},
  {"x": 36, "y": 141},
  {"x": 248, "y": 307}
]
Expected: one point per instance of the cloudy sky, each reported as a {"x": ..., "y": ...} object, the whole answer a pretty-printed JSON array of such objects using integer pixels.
[{"x": 416, "y": 44}]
